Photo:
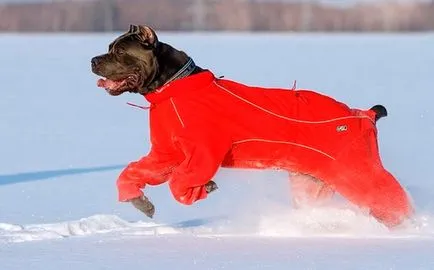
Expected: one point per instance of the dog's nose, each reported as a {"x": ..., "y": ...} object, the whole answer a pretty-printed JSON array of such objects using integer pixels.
[{"x": 94, "y": 61}]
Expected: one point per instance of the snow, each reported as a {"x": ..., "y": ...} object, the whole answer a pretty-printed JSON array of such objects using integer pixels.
[{"x": 63, "y": 142}]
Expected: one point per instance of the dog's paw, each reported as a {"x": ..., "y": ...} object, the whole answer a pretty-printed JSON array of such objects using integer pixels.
[
  {"x": 210, "y": 187},
  {"x": 144, "y": 205}
]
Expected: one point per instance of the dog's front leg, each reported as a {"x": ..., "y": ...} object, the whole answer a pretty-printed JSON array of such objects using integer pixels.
[
  {"x": 143, "y": 204},
  {"x": 191, "y": 180},
  {"x": 153, "y": 169},
  {"x": 210, "y": 187}
]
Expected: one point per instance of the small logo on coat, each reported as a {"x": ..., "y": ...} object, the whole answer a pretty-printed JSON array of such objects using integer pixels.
[{"x": 341, "y": 128}]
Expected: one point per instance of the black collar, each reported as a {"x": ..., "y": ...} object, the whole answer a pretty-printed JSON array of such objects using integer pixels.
[{"x": 186, "y": 70}]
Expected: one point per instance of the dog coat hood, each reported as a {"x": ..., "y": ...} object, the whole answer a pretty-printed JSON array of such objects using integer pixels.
[{"x": 200, "y": 123}]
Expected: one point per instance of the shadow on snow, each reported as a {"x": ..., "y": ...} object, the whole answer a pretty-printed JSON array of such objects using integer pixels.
[{"x": 44, "y": 175}]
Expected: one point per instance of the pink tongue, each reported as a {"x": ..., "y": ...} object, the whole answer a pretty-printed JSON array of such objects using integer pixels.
[{"x": 109, "y": 84}]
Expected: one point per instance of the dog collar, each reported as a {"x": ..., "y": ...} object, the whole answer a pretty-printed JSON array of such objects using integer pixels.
[
  {"x": 186, "y": 70},
  {"x": 183, "y": 87}
]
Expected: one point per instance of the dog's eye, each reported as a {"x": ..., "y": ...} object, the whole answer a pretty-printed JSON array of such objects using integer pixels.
[{"x": 120, "y": 51}]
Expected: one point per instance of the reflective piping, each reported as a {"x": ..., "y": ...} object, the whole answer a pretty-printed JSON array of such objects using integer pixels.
[
  {"x": 287, "y": 118},
  {"x": 283, "y": 142},
  {"x": 177, "y": 113}
]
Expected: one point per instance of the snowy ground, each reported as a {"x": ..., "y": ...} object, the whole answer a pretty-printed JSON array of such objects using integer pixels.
[{"x": 63, "y": 142}]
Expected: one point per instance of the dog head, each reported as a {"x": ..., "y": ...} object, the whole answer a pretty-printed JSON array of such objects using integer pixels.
[{"x": 131, "y": 64}]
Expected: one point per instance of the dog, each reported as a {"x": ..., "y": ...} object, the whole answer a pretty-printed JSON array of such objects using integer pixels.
[{"x": 199, "y": 123}]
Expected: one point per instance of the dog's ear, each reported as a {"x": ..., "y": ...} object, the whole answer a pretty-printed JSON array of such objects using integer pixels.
[
  {"x": 133, "y": 29},
  {"x": 146, "y": 34}
]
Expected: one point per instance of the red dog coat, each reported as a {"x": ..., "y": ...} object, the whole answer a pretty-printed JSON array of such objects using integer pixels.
[{"x": 200, "y": 123}]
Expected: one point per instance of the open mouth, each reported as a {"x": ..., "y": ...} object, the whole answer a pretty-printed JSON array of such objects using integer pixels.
[
  {"x": 117, "y": 87},
  {"x": 113, "y": 87}
]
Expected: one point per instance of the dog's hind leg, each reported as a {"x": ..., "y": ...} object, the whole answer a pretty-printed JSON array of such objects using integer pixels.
[
  {"x": 359, "y": 176},
  {"x": 375, "y": 189},
  {"x": 308, "y": 191}
]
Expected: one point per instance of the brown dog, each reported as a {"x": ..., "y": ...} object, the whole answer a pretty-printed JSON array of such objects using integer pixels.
[{"x": 199, "y": 122}]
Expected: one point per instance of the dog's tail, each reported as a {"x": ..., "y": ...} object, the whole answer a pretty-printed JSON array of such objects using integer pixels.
[{"x": 380, "y": 111}]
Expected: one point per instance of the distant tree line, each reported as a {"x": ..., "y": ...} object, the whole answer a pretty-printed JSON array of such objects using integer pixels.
[{"x": 221, "y": 15}]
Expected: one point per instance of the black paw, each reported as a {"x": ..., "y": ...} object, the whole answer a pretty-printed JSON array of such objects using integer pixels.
[{"x": 211, "y": 186}]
